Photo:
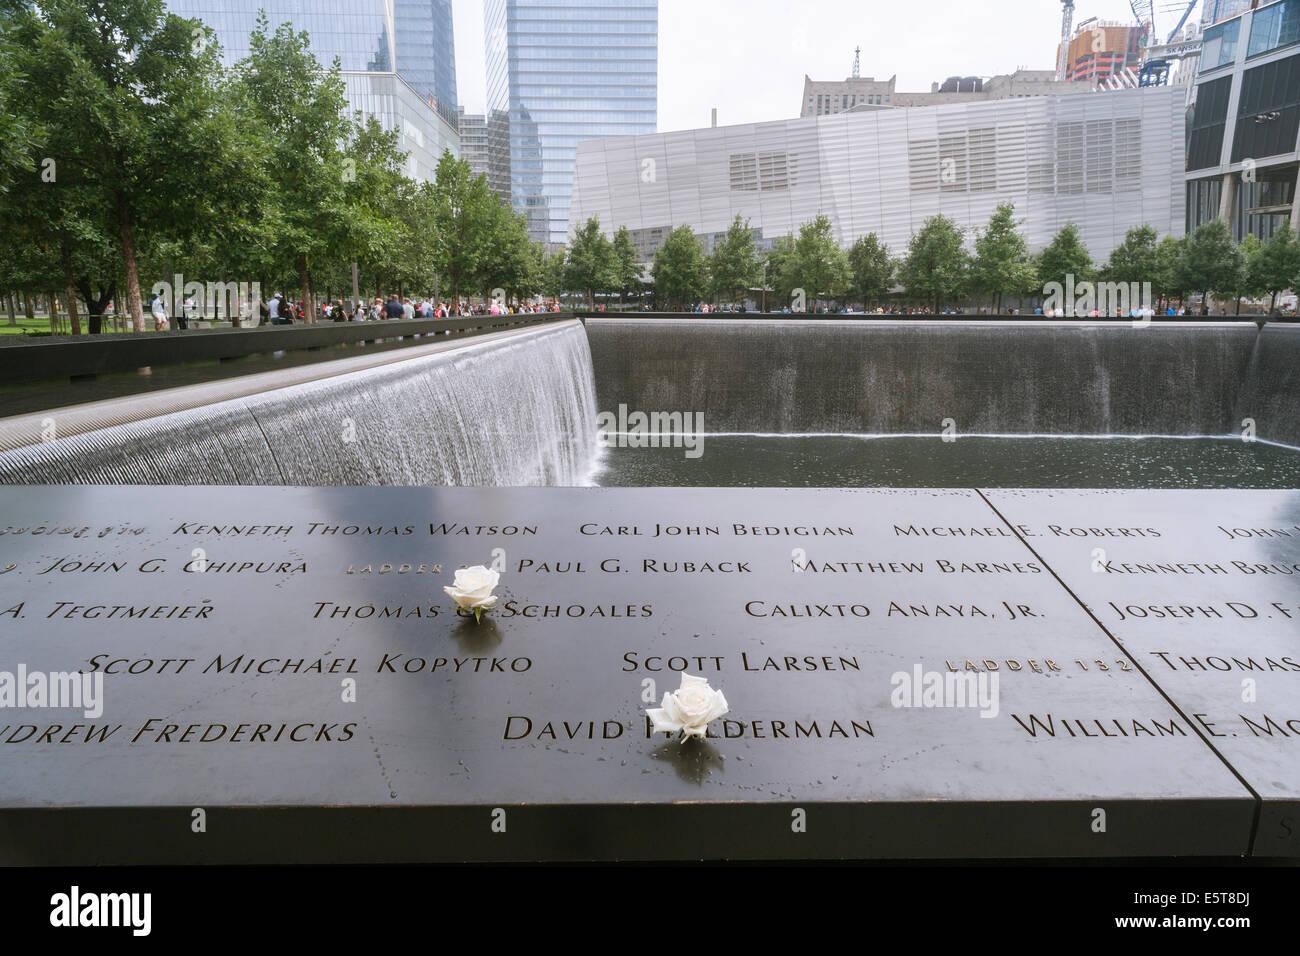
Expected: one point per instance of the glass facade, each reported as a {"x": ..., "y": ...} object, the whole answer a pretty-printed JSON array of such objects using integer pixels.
[
  {"x": 1274, "y": 26},
  {"x": 566, "y": 71},
  {"x": 1268, "y": 115},
  {"x": 408, "y": 41},
  {"x": 1220, "y": 45}
]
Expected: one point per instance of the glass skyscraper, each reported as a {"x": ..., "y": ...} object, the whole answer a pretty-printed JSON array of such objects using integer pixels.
[
  {"x": 565, "y": 71},
  {"x": 398, "y": 59}
]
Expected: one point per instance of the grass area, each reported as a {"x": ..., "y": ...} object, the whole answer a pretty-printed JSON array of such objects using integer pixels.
[{"x": 40, "y": 326}]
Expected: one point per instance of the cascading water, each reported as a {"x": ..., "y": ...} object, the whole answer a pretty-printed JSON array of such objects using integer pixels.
[
  {"x": 517, "y": 410},
  {"x": 904, "y": 378},
  {"x": 1271, "y": 395}
]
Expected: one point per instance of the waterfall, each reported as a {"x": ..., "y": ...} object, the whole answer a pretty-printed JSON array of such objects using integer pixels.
[
  {"x": 900, "y": 378},
  {"x": 513, "y": 409},
  {"x": 1271, "y": 396}
]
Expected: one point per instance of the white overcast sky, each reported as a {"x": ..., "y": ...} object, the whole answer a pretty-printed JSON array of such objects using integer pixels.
[{"x": 748, "y": 57}]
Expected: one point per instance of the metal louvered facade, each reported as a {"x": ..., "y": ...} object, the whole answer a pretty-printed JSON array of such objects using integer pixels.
[{"x": 1106, "y": 162}]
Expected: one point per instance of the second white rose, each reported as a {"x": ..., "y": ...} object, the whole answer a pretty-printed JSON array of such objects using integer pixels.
[{"x": 689, "y": 709}]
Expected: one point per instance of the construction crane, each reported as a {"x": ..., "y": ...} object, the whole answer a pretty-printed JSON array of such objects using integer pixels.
[
  {"x": 1067, "y": 21},
  {"x": 1157, "y": 55},
  {"x": 1145, "y": 14},
  {"x": 1187, "y": 6}
]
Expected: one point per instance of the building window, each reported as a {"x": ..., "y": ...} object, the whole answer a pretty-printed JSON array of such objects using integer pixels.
[
  {"x": 1274, "y": 26},
  {"x": 1220, "y": 44},
  {"x": 1268, "y": 117}
]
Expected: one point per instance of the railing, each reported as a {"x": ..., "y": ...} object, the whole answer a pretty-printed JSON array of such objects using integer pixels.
[
  {"x": 1259, "y": 320},
  {"x": 31, "y": 358}
]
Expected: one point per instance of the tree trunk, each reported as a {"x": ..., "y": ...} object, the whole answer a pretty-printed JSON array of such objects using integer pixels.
[
  {"x": 68, "y": 290},
  {"x": 9, "y": 304},
  {"x": 95, "y": 304},
  {"x": 305, "y": 282},
  {"x": 127, "y": 235},
  {"x": 29, "y": 307}
]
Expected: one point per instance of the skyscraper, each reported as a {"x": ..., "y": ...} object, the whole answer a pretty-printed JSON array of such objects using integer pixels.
[
  {"x": 397, "y": 59},
  {"x": 565, "y": 71}
]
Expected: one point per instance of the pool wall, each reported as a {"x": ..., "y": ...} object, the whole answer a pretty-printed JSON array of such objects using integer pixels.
[{"x": 1028, "y": 378}]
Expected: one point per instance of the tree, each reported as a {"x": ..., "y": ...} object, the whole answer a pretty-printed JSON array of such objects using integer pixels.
[
  {"x": 1136, "y": 259},
  {"x": 589, "y": 266},
  {"x": 130, "y": 102},
  {"x": 1001, "y": 262},
  {"x": 465, "y": 212},
  {"x": 1212, "y": 261},
  {"x": 1249, "y": 280},
  {"x": 818, "y": 264},
  {"x": 299, "y": 112},
  {"x": 509, "y": 261},
  {"x": 937, "y": 267},
  {"x": 1168, "y": 276},
  {"x": 680, "y": 271},
  {"x": 733, "y": 267},
  {"x": 1064, "y": 257},
  {"x": 19, "y": 135},
  {"x": 625, "y": 264},
  {"x": 552, "y": 271},
  {"x": 389, "y": 219},
  {"x": 1277, "y": 267},
  {"x": 872, "y": 268},
  {"x": 778, "y": 269}
]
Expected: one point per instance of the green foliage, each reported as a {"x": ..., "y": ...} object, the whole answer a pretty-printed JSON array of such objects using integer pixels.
[
  {"x": 133, "y": 116},
  {"x": 1065, "y": 256},
  {"x": 1212, "y": 261},
  {"x": 1167, "y": 279},
  {"x": 589, "y": 266},
  {"x": 873, "y": 269},
  {"x": 1276, "y": 267},
  {"x": 1001, "y": 262},
  {"x": 625, "y": 264},
  {"x": 680, "y": 271},
  {"x": 817, "y": 264},
  {"x": 937, "y": 267},
  {"x": 778, "y": 270},
  {"x": 19, "y": 136},
  {"x": 464, "y": 214},
  {"x": 1136, "y": 259},
  {"x": 734, "y": 268}
]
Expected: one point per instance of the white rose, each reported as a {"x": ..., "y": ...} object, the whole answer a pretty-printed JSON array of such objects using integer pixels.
[
  {"x": 689, "y": 709},
  {"x": 473, "y": 588}
]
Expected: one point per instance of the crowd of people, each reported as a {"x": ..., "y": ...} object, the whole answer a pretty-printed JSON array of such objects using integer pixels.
[{"x": 280, "y": 310}]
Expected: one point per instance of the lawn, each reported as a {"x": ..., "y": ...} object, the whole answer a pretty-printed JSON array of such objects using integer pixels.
[{"x": 27, "y": 326}]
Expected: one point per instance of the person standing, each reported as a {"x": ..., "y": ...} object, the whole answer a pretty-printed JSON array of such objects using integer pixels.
[{"x": 158, "y": 308}]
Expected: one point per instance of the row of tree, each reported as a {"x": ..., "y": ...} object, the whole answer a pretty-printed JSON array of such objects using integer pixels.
[
  {"x": 131, "y": 155},
  {"x": 939, "y": 269}
]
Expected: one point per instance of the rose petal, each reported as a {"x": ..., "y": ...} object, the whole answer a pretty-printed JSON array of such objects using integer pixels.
[{"x": 663, "y": 723}]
